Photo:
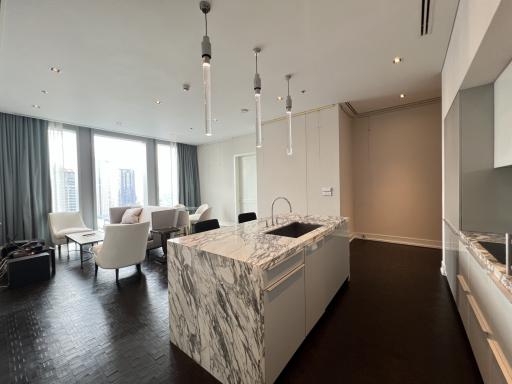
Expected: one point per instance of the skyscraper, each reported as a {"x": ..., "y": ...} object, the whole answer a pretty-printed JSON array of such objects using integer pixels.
[
  {"x": 70, "y": 190},
  {"x": 127, "y": 194}
]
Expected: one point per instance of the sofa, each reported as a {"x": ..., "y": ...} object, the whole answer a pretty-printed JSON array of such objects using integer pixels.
[{"x": 158, "y": 217}]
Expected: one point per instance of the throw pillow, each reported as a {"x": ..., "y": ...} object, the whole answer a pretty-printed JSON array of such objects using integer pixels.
[{"x": 131, "y": 216}]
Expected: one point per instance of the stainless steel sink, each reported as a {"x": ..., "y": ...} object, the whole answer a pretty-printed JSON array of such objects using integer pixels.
[
  {"x": 294, "y": 229},
  {"x": 495, "y": 249}
]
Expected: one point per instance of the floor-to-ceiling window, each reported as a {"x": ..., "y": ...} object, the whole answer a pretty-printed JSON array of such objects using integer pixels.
[
  {"x": 121, "y": 174},
  {"x": 167, "y": 160},
  {"x": 62, "y": 145}
]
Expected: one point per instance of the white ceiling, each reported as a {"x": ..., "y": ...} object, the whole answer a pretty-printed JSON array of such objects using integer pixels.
[{"x": 118, "y": 56}]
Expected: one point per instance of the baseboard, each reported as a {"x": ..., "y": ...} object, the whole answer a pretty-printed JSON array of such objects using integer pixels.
[{"x": 400, "y": 240}]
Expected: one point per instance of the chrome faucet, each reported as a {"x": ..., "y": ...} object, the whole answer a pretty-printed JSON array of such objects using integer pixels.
[{"x": 278, "y": 198}]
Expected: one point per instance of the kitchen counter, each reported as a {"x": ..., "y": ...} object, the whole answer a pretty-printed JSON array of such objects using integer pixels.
[
  {"x": 239, "y": 299},
  {"x": 249, "y": 243},
  {"x": 485, "y": 258}
]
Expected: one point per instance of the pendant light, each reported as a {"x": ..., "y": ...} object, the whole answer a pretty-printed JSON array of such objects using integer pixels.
[
  {"x": 289, "y": 149},
  {"x": 207, "y": 81},
  {"x": 257, "y": 99}
]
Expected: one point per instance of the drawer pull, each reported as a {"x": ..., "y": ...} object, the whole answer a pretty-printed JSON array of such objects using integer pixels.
[
  {"x": 284, "y": 278},
  {"x": 463, "y": 284},
  {"x": 478, "y": 314},
  {"x": 501, "y": 360}
]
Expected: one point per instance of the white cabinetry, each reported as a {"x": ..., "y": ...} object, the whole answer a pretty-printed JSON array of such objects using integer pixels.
[
  {"x": 503, "y": 119},
  {"x": 487, "y": 317},
  {"x": 327, "y": 268},
  {"x": 284, "y": 307}
]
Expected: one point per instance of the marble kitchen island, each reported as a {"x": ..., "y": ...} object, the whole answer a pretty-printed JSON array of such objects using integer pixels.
[{"x": 241, "y": 301}]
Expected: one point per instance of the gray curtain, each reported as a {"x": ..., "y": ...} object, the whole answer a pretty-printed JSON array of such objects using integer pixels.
[
  {"x": 188, "y": 175},
  {"x": 25, "y": 194}
]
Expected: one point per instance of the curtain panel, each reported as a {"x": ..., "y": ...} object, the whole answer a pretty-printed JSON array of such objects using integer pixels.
[
  {"x": 188, "y": 175},
  {"x": 25, "y": 192}
]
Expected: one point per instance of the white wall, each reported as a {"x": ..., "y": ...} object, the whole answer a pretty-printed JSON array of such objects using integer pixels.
[
  {"x": 217, "y": 175},
  {"x": 471, "y": 23},
  {"x": 315, "y": 163},
  {"x": 397, "y": 175}
]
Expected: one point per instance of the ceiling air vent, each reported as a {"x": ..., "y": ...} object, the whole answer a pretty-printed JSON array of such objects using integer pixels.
[{"x": 426, "y": 17}]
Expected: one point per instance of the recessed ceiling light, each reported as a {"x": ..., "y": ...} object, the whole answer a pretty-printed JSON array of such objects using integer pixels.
[
  {"x": 44, "y": 91},
  {"x": 186, "y": 87},
  {"x": 119, "y": 123},
  {"x": 191, "y": 128},
  {"x": 402, "y": 96},
  {"x": 55, "y": 69},
  {"x": 158, "y": 101},
  {"x": 303, "y": 91},
  {"x": 397, "y": 60},
  {"x": 280, "y": 98},
  {"x": 36, "y": 106},
  {"x": 244, "y": 110}
]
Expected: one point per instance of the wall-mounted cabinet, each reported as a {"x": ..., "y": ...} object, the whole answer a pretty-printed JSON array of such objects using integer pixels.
[{"x": 503, "y": 119}]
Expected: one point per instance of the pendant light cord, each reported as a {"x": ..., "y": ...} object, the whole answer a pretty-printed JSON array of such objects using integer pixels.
[
  {"x": 206, "y": 24},
  {"x": 288, "y": 87},
  {"x": 256, "y": 54}
]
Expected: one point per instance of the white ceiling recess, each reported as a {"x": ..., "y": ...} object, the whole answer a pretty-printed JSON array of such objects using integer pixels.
[{"x": 118, "y": 56}]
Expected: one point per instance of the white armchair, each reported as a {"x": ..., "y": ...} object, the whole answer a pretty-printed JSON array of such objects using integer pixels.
[
  {"x": 65, "y": 223},
  {"x": 124, "y": 245},
  {"x": 200, "y": 214}
]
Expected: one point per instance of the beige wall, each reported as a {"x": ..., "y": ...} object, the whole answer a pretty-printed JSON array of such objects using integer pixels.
[
  {"x": 346, "y": 167},
  {"x": 314, "y": 164},
  {"x": 217, "y": 174},
  {"x": 397, "y": 175}
]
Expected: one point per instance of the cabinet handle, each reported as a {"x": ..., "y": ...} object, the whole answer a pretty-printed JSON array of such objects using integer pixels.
[
  {"x": 479, "y": 317},
  {"x": 463, "y": 284},
  {"x": 501, "y": 360},
  {"x": 284, "y": 278}
]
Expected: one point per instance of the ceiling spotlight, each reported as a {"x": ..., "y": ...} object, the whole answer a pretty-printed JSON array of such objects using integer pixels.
[
  {"x": 55, "y": 69},
  {"x": 37, "y": 106},
  {"x": 303, "y": 91},
  {"x": 280, "y": 98},
  {"x": 158, "y": 101},
  {"x": 397, "y": 60},
  {"x": 186, "y": 87},
  {"x": 191, "y": 128},
  {"x": 119, "y": 123},
  {"x": 244, "y": 110},
  {"x": 44, "y": 91},
  {"x": 402, "y": 96}
]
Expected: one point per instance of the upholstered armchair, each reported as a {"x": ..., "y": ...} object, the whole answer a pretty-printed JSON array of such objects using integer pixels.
[
  {"x": 202, "y": 213},
  {"x": 65, "y": 223},
  {"x": 124, "y": 245}
]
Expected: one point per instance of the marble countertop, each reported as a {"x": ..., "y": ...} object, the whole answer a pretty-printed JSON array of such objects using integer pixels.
[
  {"x": 485, "y": 258},
  {"x": 249, "y": 243}
]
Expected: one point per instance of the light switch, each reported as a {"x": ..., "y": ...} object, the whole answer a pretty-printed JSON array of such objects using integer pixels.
[{"x": 326, "y": 191}]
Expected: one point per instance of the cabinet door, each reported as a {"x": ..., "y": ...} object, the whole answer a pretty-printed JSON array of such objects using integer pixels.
[
  {"x": 451, "y": 259},
  {"x": 500, "y": 371},
  {"x": 316, "y": 285},
  {"x": 336, "y": 250},
  {"x": 285, "y": 321}
]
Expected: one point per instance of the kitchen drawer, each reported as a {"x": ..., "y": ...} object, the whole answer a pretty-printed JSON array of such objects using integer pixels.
[
  {"x": 284, "y": 321},
  {"x": 462, "y": 301},
  {"x": 478, "y": 334},
  {"x": 272, "y": 275},
  {"x": 499, "y": 369}
]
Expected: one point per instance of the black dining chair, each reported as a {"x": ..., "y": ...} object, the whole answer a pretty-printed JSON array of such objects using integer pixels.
[
  {"x": 206, "y": 225},
  {"x": 248, "y": 216}
]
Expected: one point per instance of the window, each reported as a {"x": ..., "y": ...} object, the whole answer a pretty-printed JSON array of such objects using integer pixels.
[
  {"x": 121, "y": 174},
  {"x": 63, "y": 168},
  {"x": 167, "y": 159}
]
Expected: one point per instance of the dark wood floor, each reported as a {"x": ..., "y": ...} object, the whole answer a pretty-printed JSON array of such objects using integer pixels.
[{"x": 394, "y": 323}]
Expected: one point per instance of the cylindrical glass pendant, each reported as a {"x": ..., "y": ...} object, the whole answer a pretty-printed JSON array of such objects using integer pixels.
[
  {"x": 289, "y": 150},
  {"x": 207, "y": 86},
  {"x": 259, "y": 138}
]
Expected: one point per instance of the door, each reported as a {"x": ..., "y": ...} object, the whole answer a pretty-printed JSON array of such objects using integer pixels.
[{"x": 245, "y": 183}]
